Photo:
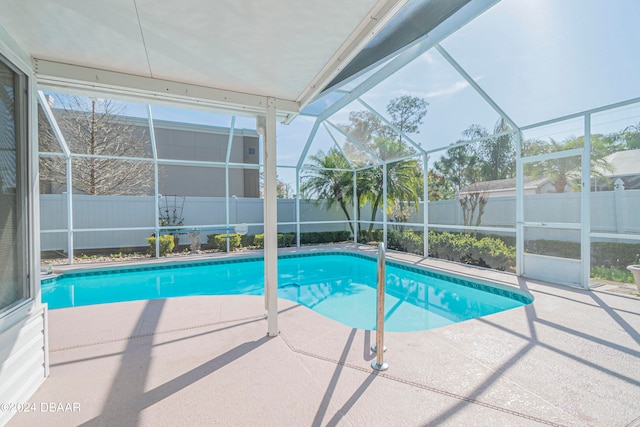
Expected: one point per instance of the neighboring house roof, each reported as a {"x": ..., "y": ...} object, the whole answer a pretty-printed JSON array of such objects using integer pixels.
[{"x": 621, "y": 163}]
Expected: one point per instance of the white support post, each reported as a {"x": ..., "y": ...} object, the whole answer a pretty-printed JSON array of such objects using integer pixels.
[
  {"x": 425, "y": 205},
  {"x": 618, "y": 197},
  {"x": 46, "y": 108},
  {"x": 384, "y": 203},
  {"x": 270, "y": 219},
  {"x": 297, "y": 206},
  {"x": 519, "y": 207},
  {"x": 585, "y": 205},
  {"x": 156, "y": 201},
  {"x": 69, "y": 209},
  {"x": 355, "y": 207},
  {"x": 226, "y": 181}
]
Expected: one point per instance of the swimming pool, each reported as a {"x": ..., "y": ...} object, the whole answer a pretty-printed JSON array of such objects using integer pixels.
[{"x": 340, "y": 286}]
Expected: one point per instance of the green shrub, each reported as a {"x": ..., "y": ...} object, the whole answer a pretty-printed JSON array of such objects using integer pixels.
[
  {"x": 557, "y": 248},
  {"x": 316, "y": 237},
  {"x": 494, "y": 253},
  {"x": 246, "y": 240},
  {"x": 614, "y": 274},
  {"x": 284, "y": 240},
  {"x": 366, "y": 236},
  {"x": 221, "y": 242},
  {"x": 619, "y": 255},
  {"x": 489, "y": 252},
  {"x": 166, "y": 244},
  {"x": 413, "y": 242},
  {"x": 406, "y": 241}
]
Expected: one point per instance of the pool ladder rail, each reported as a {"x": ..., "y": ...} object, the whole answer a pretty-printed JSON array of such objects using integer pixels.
[{"x": 379, "y": 364}]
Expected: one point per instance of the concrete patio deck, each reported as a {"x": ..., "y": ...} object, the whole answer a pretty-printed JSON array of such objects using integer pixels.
[{"x": 572, "y": 357}]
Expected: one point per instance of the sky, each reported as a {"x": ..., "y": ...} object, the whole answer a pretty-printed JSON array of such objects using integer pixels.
[{"x": 537, "y": 59}]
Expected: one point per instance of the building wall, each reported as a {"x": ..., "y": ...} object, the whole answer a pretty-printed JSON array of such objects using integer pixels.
[
  {"x": 200, "y": 143},
  {"x": 23, "y": 355},
  {"x": 251, "y": 154},
  {"x": 205, "y": 144},
  {"x": 23, "y": 330}
]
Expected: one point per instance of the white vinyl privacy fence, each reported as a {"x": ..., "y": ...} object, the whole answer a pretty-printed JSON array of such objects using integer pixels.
[{"x": 125, "y": 221}]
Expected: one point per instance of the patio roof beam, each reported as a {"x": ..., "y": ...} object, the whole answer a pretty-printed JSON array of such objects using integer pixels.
[
  {"x": 381, "y": 12},
  {"x": 403, "y": 158},
  {"x": 62, "y": 142},
  {"x": 409, "y": 53},
  {"x": 227, "y": 207},
  {"x": 379, "y": 76},
  {"x": 554, "y": 155},
  {"x": 392, "y": 126},
  {"x": 156, "y": 201},
  {"x": 310, "y": 138},
  {"x": 171, "y": 162},
  {"x": 358, "y": 143},
  {"x": 206, "y": 164},
  {"x": 338, "y": 146},
  {"x": 475, "y": 86},
  {"x": 330, "y": 169},
  {"x": 364, "y": 168},
  {"x": 582, "y": 113},
  {"x": 131, "y": 87},
  {"x": 471, "y": 141}
]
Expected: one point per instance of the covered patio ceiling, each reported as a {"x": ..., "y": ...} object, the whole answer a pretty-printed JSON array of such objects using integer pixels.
[
  {"x": 224, "y": 55},
  {"x": 231, "y": 53}
]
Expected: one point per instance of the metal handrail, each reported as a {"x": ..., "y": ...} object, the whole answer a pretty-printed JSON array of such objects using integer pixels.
[{"x": 379, "y": 364}]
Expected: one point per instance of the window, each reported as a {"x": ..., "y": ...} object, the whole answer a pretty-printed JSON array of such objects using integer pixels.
[{"x": 13, "y": 236}]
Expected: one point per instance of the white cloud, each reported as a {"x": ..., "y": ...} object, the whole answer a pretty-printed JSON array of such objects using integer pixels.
[
  {"x": 447, "y": 91},
  {"x": 426, "y": 58}
]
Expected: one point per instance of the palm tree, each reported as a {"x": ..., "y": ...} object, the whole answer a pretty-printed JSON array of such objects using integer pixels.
[
  {"x": 563, "y": 172},
  {"x": 327, "y": 178},
  {"x": 404, "y": 178}
]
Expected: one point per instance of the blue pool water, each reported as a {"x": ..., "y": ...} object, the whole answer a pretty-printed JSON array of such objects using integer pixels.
[{"x": 338, "y": 286}]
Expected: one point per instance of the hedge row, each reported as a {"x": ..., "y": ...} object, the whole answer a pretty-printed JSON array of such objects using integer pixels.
[
  {"x": 605, "y": 254},
  {"x": 497, "y": 252},
  {"x": 618, "y": 255},
  {"x": 312, "y": 238},
  {"x": 406, "y": 241},
  {"x": 483, "y": 251},
  {"x": 491, "y": 252},
  {"x": 219, "y": 241}
]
